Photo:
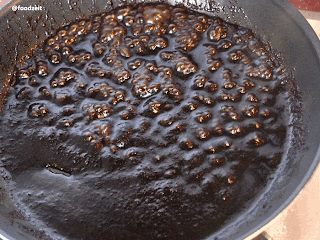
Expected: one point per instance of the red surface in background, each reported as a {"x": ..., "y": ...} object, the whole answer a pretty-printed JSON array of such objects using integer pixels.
[
  {"x": 310, "y": 5},
  {"x": 3, "y": 2}
]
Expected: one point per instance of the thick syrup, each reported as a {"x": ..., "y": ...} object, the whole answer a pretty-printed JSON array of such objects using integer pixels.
[{"x": 162, "y": 121}]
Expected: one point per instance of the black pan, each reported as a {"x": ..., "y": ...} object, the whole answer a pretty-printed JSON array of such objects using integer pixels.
[{"x": 277, "y": 21}]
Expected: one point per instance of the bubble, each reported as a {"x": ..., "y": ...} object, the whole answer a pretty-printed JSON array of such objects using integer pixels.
[
  {"x": 37, "y": 110},
  {"x": 217, "y": 32}
]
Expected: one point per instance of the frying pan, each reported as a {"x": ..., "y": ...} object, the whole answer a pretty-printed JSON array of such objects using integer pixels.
[{"x": 277, "y": 21}]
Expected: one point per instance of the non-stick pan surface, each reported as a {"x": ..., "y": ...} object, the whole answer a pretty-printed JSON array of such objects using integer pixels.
[{"x": 277, "y": 21}]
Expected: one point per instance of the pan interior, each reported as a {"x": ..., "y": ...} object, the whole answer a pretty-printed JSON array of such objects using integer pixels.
[{"x": 291, "y": 160}]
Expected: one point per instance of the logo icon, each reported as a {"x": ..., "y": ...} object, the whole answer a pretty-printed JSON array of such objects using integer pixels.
[{"x": 14, "y": 8}]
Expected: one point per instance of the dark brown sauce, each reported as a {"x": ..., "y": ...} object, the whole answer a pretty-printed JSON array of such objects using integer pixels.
[{"x": 150, "y": 122}]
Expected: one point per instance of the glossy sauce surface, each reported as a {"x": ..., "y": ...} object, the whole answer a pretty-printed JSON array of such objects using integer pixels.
[{"x": 149, "y": 122}]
